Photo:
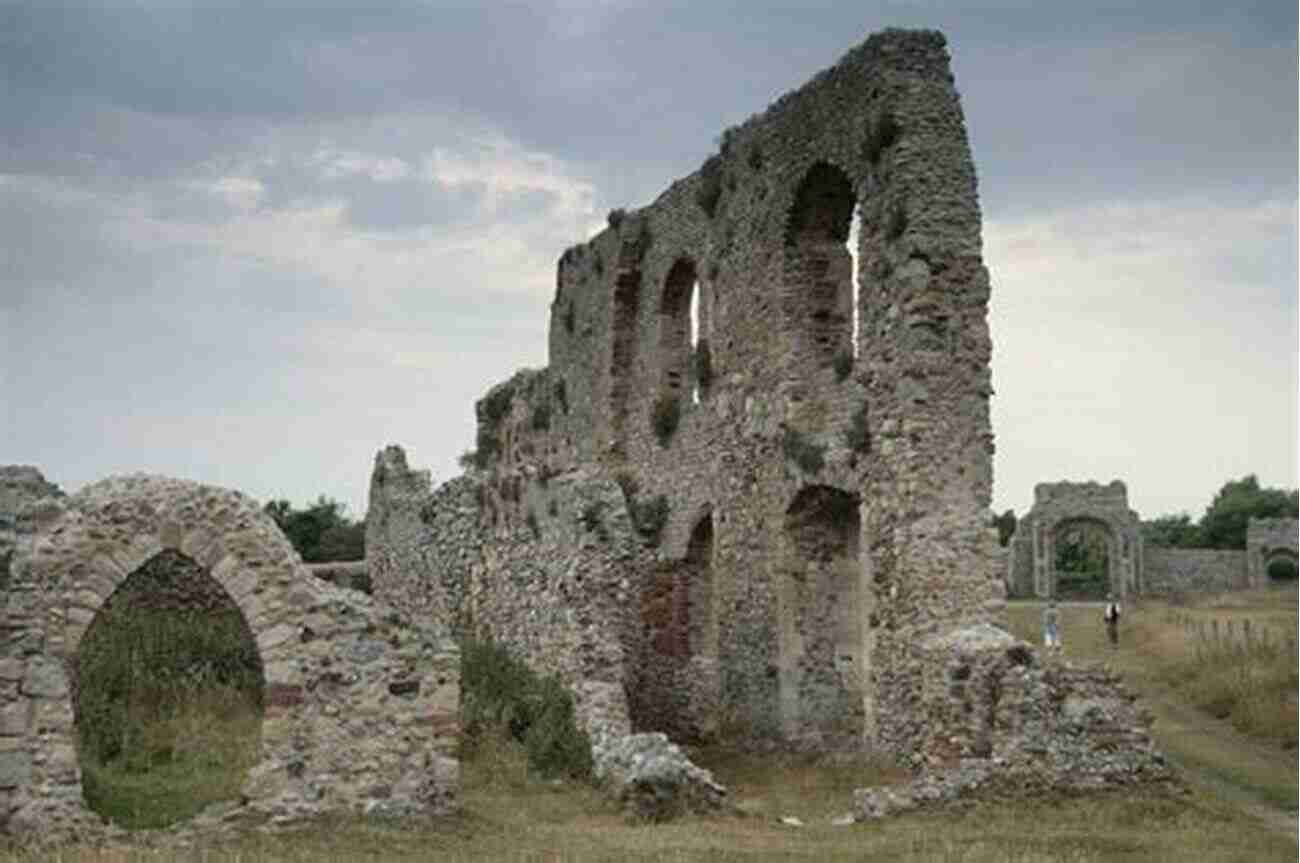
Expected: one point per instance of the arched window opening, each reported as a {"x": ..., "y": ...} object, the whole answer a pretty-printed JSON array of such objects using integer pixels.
[
  {"x": 823, "y": 649},
  {"x": 678, "y": 331},
  {"x": 855, "y": 233},
  {"x": 1281, "y": 569},
  {"x": 1082, "y": 561},
  {"x": 167, "y": 696},
  {"x": 819, "y": 296},
  {"x": 695, "y": 343},
  {"x": 627, "y": 309},
  {"x": 674, "y": 685}
]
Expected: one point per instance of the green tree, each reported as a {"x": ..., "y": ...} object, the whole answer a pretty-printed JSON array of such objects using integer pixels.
[
  {"x": 1225, "y": 520},
  {"x": 1172, "y": 531},
  {"x": 1006, "y": 525},
  {"x": 321, "y": 532}
]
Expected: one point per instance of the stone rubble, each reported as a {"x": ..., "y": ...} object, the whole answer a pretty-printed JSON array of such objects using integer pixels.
[{"x": 653, "y": 779}]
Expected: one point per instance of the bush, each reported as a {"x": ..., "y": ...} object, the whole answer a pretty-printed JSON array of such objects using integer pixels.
[
  {"x": 667, "y": 415},
  {"x": 562, "y": 395},
  {"x": 897, "y": 223},
  {"x": 843, "y": 364},
  {"x": 882, "y": 134},
  {"x": 541, "y": 417},
  {"x": 591, "y": 517},
  {"x": 809, "y": 456},
  {"x": 500, "y": 692},
  {"x": 702, "y": 363},
  {"x": 531, "y": 521},
  {"x": 650, "y": 516},
  {"x": 615, "y": 217},
  {"x": 856, "y": 437},
  {"x": 569, "y": 318},
  {"x": 709, "y": 191}
]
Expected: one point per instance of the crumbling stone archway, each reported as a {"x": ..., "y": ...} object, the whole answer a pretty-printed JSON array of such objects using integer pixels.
[
  {"x": 1032, "y": 559},
  {"x": 360, "y": 708},
  {"x": 822, "y": 657}
]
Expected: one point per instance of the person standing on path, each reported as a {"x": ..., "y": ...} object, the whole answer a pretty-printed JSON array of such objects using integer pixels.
[
  {"x": 1111, "y": 616},
  {"x": 1052, "y": 626}
]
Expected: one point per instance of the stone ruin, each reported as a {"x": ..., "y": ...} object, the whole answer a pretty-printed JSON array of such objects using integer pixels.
[
  {"x": 1060, "y": 506},
  {"x": 746, "y": 500},
  {"x": 361, "y": 707},
  {"x": 1134, "y": 567}
]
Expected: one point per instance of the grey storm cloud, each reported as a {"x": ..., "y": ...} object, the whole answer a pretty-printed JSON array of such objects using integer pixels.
[{"x": 336, "y": 223}]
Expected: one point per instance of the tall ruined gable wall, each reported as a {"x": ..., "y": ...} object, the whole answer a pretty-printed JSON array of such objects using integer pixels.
[{"x": 822, "y": 501}]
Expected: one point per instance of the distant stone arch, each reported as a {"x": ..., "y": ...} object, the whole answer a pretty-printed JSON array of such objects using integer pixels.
[
  {"x": 317, "y": 645},
  {"x": 1033, "y": 552}
]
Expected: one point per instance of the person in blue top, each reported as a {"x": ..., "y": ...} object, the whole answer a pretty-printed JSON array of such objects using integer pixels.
[{"x": 1052, "y": 626}]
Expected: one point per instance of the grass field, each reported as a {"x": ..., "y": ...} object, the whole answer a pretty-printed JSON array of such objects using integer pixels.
[{"x": 1240, "y": 805}]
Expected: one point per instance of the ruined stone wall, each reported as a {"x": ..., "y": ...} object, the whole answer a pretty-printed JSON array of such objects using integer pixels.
[
  {"x": 796, "y": 426},
  {"x": 362, "y": 707},
  {"x": 1193, "y": 570},
  {"x": 1268, "y": 539},
  {"x": 20, "y": 486},
  {"x": 1062, "y": 504}
]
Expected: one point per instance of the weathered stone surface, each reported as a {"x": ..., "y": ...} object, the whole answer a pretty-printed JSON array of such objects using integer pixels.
[
  {"x": 755, "y": 545},
  {"x": 1003, "y": 720},
  {"x": 361, "y": 703},
  {"x": 653, "y": 779}
]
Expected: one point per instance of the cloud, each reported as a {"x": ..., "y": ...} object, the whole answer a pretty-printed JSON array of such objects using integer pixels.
[{"x": 1143, "y": 341}]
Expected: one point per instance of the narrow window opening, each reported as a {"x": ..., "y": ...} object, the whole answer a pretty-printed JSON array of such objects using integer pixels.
[
  {"x": 855, "y": 231},
  {"x": 695, "y": 339}
]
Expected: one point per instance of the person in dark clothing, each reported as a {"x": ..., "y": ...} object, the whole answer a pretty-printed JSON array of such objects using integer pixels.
[{"x": 1111, "y": 616}]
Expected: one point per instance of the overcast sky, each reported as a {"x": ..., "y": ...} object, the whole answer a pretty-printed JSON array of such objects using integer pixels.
[{"x": 251, "y": 243}]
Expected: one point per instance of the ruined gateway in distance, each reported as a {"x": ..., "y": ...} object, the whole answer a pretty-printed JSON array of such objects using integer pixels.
[{"x": 776, "y": 536}]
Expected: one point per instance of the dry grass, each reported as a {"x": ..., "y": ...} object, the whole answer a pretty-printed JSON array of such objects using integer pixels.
[
  {"x": 511, "y": 815},
  {"x": 1190, "y": 692}
]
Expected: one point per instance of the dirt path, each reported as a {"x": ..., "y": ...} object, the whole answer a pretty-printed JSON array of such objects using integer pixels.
[
  {"x": 1215, "y": 757},
  {"x": 1256, "y": 777}
]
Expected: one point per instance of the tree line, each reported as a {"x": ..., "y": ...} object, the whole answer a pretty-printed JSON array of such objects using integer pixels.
[{"x": 322, "y": 531}]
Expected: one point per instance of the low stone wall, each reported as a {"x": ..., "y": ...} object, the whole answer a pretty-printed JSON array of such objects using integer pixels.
[
  {"x": 351, "y": 574},
  {"x": 362, "y": 706},
  {"x": 1194, "y": 570}
]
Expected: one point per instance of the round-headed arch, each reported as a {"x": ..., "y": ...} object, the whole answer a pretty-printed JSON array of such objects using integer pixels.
[{"x": 316, "y": 645}]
